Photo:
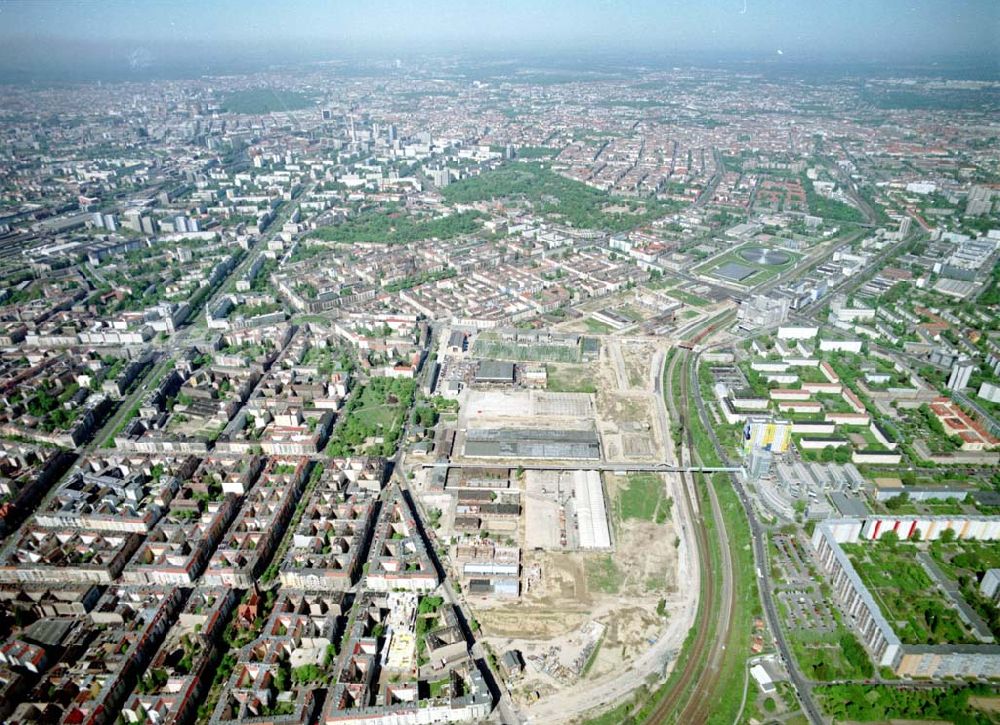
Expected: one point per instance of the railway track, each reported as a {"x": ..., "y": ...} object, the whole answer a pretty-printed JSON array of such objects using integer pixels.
[
  {"x": 701, "y": 668},
  {"x": 704, "y": 697}
]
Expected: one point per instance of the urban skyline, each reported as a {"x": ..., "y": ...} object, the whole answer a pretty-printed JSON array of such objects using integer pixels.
[{"x": 588, "y": 383}]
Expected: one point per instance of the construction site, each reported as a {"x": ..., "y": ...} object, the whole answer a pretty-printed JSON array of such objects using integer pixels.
[
  {"x": 597, "y": 554},
  {"x": 585, "y": 618}
]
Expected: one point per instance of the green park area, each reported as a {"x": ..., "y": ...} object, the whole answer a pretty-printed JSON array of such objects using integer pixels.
[
  {"x": 731, "y": 265},
  {"x": 826, "y": 656},
  {"x": 392, "y": 225},
  {"x": 537, "y": 152},
  {"x": 376, "y": 411},
  {"x": 973, "y": 705},
  {"x": 557, "y": 197},
  {"x": 827, "y": 208},
  {"x": 991, "y": 293},
  {"x": 688, "y": 298},
  {"x": 905, "y": 593},
  {"x": 966, "y": 562}
]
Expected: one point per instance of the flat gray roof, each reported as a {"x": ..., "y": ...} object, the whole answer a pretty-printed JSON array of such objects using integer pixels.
[
  {"x": 495, "y": 370},
  {"x": 50, "y": 632},
  {"x": 734, "y": 271},
  {"x": 531, "y": 443},
  {"x": 848, "y": 505}
]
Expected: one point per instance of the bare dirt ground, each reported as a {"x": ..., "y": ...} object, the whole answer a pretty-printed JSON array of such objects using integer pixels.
[
  {"x": 588, "y": 307},
  {"x": 636, "y": 355},
  {"x": 566, "y": 592},
  {"x": 985, "y": 703},
  {"x": 574, "y": 589},
  {"x": 638, "y": 645},
  {"x": 571, "y": 377},
  {"x": 625, "y": 416}
]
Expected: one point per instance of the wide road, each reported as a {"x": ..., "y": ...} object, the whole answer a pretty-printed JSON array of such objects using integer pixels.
[
  {"x": 709, "y": 190},
  {"x": 162, "y": 359},
  {"x": 705, "y": 659},
  {"x": 758, "y": 535}
]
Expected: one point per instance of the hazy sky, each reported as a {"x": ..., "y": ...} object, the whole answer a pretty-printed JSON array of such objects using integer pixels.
[{"x": 834, "y": 29}]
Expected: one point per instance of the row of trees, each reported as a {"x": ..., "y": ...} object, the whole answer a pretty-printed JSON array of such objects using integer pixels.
[
  {"x": 874, "y": 703},
  {"x": 425, "y": 416},
  {"x": 416, "y": 280},
  {"x": 991, "y": 295}
]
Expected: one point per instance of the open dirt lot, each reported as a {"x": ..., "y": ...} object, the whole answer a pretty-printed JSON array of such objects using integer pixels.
[
  {"x": 526, "y": 408},
  {"x": 625, "y": 413},
  {"x": 565, "y": 592}
]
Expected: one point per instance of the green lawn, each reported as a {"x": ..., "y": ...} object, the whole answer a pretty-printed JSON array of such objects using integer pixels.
[
  {"x": 555, "y": 196},
  {"x": 439, "y": 688},
  {"x": 644, "y": 499},
  {"x": 871, "y": 443},
  {"x": 630, "y": 312},
  {"x": 570, "y": 378},
  {"x": 377, "y": 409},
  {"x": 811, "y": 374},
  {"x": 828, "y": 656},
  {"x": 596, "y": 326},
  {"x": 762, "y": 273},
  {"x": 688, "y": 298},
  {"x": 381, "y": 416}
]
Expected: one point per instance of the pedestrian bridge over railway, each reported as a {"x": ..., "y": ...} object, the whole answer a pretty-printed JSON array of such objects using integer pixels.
[{"x": 590, "y": 466}]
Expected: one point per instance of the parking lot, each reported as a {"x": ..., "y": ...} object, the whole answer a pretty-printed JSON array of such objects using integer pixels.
[{"x": 798, "y": 591}]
